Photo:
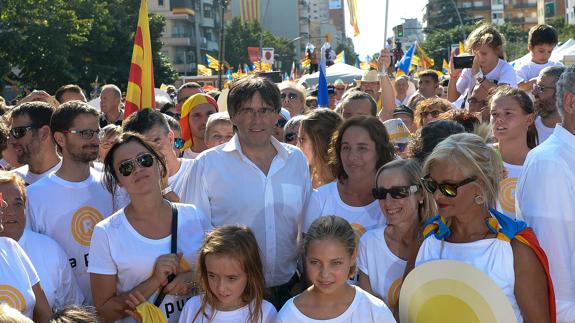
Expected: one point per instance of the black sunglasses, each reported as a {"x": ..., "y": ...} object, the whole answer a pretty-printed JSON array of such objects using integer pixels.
[
  {"x": 449, "y": 190},
  {"x": 19, "y": 132},
  {"x": 290, "y": 96},
  {"x": 143, "y": 160},
  {"x": 85, "y": 133},
  {"x": 291, "y": 136},
  {"x": 434, "y": 114},
  {"x": 398, "y": 192},
  {"x": 281, "y": 122},
  {"x": 173, "y": 115},
  {"x": 178, "y": 143}
]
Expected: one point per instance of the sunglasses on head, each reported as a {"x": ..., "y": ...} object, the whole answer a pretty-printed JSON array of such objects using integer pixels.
[
  {"x": 143, "y": 160},
  {"x": 290, "y": 96},
  {"x": 447, "y": 189},
  {"x": 281, "y": 122},
  {"x": 398, "y": 192},
  {"x": 178, "y": 143},
  {"x": 19, "y": 132}
]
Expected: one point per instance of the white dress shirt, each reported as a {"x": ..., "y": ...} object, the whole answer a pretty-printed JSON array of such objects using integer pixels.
[
  {"x": 545, "y": 198},
  {"x": 230, "y": 189}
]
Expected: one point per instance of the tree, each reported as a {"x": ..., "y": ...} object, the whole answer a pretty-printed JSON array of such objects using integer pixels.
[
  {"x": 441, "y": 14},
  {"x": 55, "y": 42},
  {"x": 350, "y": 54}
]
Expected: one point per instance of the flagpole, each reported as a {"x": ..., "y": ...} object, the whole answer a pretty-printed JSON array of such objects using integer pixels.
[
  {"x": 385, "y": 28},
  {"x": 223, "y": 4}
]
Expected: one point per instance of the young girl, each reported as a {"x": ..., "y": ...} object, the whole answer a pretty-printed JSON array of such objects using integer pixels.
[
  {"x": 486, "y": 44},
  {"x": 229, "y": 270},
  {"x": 329, "y": 254},
  {"x": 512, "y": 116}
]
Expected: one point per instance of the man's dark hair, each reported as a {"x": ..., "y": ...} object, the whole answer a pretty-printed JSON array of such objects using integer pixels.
[
  {"x": 430, "y": 136},
  {"x": 67, "y": 88},
  {"x": 359, "y": 95},
  {"x": 64, "y": 116},
  {"x": 40, "y": 113},
  {"x": 189, "y": 85},
  {"x": 244, "y": 89},
  {"x": 144, "y": 120},
  {"x": 429, "y": 73},
  {"x": 543, "y": 35}
]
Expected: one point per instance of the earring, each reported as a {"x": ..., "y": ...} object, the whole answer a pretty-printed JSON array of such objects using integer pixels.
[
  {"x": 479, "y": 199},
  {"x": 420, "y": 202}
]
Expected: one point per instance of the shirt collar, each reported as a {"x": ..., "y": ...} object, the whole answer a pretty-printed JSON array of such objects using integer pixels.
[
  {"x": 564, "y": 135},
  {"x": 235, "y": 145}
]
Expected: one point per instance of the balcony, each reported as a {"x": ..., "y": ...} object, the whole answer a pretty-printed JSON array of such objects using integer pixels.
[
  {"x": 212, "y": 46},
  {"x": 176, "y": 40},
  {"x": 208, "y": 22},
  {"x": 524, "y": 5},
  {"x": 182, "y": 7}
]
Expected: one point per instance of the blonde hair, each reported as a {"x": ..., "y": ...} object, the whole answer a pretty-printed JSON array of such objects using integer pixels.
[
  {"x": 7, "y": 177},
  {"x": 475, "y": 158},
  {"x": 239, "y": 243},
  {"x": 425, "y": 104},
  {"x": 486, "y": 34},
  {"x": 10, "y": 315}
]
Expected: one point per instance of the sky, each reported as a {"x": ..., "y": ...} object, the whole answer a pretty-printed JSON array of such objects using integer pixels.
[{"x": 371, "y": 20}]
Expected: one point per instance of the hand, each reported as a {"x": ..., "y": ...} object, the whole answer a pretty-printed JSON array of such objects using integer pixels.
[
  {"x": 475, "y": 68},
  {"x": 181, "y": 285},
  {"x": 133, "y": 300},
  {"x": 384, "y": 59},
  {"x": 165, "y": 266},
  {"x": 41, "y": 96}
]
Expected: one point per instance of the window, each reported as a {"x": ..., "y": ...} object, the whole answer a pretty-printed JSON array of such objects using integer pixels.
[
  {"x": 161, "y": 3},
  {"x": 467, "y": 5},
  {"x": 207, "y": 10}
]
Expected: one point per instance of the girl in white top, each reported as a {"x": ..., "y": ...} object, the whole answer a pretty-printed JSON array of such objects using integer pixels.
[
  {"x": 463, "y": 175},
  {"x": 231, "y": 274},
  {"x": 486, "y": 43},
  {"x": 359, "y": 148},
  {"x": 130, "y": 250},
  {"x": 329, "y": 252},
  {"x": 512, "y": 116},
  {"x": 383, "y": 252}
]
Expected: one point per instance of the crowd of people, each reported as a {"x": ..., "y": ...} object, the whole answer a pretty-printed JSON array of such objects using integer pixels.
[{"x": 263, "y": 207}]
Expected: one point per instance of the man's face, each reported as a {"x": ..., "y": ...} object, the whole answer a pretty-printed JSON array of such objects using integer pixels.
[
  {"x": 78, "y": 148},
  {"x": 109, "y": 101},
  {"x": 371, "y": 88},
  {"x": 361, "y": 107},
  {"x": 478, "y": 102},
  {"x": 255, "y": 121},
  {"x": 544, "y": 93},
  {"x": 540, "y": 53},
  {"x": 427, "y": 87},
  {"x": 184, "y": 95},
  {"x": 71, "y": 96},
  {"x": 401, "y": 86},
  {"x": 198, "y": 117},
  {"x": 293, "y": 101},
  {"x": 339, "y": 90},
  {"x": 162, "y": 141},
  {"x": 28, "y": 146},
  {"x": 219, "y": 133}
]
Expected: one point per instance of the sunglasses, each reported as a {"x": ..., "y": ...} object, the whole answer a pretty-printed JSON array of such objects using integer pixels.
[
  {"x": 291, "y": 136},
  {"x": 85, "y": 133},
  {"x": 178, "y": 143},
  {"x": 398, "y": 192},
  {"x": 281, "y": 122},
  {"x": 19, "y": 132},
  {"x": 173, "y": 115},
  {"x": 143, "y": 160},
  {"x": 290, "y": 96},
  {"x": 449, "y": 190},
  {"x": 434, "y": 114}
]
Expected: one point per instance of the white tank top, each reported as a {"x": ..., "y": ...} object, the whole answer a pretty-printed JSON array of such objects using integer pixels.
[{"x": 494, "y": 257}]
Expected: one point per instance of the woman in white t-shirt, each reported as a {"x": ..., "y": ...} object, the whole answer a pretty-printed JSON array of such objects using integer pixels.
[
  {"x": 383, "y": 252},
  {"x": 360, "y": 146},
  {"x": 329, "y": 252},
  {"x": 19, "y": 283},
  {"x": 49, "y": 259},
  {"x": 130, "y": 251},
  {"x": 512, "y": 116}
]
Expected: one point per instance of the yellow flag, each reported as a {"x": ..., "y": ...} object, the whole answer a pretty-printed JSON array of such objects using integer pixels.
[
  {"x": 352, "y": 6},
  {"x": 461, "y": 48},
  {"x": 340, "y": 58},
  {"x": 203, "y": 70},
  {"x": 213, "y": 62}
]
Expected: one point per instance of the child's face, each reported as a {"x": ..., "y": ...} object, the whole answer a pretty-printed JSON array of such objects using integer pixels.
[
  {"x": 227, "y": 280},
  {"x": 327, "y": 265},
  {"x": 486, "y": 55},
  {"x": 540, "y": 53},
  {"x": 220, "y": 133}
]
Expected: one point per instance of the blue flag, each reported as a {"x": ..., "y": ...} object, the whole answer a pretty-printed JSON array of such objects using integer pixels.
[
  {"x": 357, "y": 62},
  {"x": 405, "y": 61},
  {"x": 322, "y": 96}
]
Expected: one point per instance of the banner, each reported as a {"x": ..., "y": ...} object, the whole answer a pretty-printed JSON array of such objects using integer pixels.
[
  {"x": 249, "y": 10},
  {"x": 268, "y": 56}
]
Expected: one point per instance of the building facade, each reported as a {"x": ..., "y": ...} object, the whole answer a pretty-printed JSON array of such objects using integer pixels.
[{"x": 547, "y": 9}]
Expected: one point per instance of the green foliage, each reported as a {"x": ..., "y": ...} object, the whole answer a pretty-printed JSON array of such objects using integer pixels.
[
  {"x": 445, "y": 17},
  {"x": 239, "y": 36},
  {"x": 55, "y": 42},
  {"x": 350, "y": 54},
  {"x": 564, "y": 30}
]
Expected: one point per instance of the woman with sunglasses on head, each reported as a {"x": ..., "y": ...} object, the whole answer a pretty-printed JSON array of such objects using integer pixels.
[
  {"x": 131, "y": 250},
  {"x": 512, "y": 120},
  {"x": 384, "y": 251},
  {"x": 463, "y": 175},
  {"x": 359, "y": 147}
]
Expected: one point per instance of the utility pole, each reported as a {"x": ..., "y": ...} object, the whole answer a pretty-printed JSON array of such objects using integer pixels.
[{"x": 223, "y": 6}]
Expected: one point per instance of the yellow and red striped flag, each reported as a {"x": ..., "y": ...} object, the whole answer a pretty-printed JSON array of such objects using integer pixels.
[
  {"x": 140, "y": 93},
  {"x": 250, "y": 10},
  {"x": 352, "y": 5}
]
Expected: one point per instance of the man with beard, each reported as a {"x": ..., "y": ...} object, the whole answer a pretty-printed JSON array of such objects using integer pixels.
[
  {"x": 544, "y": 93},
  {"x": 31, "y": 138},
  {"x": 67, "y": 204}
]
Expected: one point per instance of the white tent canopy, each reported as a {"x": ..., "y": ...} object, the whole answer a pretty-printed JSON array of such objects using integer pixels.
[
  {"x": 346, "y": 73},
  {"x": 567, "y": 48}
]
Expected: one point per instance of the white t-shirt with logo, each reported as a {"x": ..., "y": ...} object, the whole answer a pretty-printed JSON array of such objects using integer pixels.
[
  {"x": 385, "y": 269},
  {"x": 118, "y": 249},
  {"x": 363, "y": 308},
  {"x": 180, "y": 181},
  {"x": 327, "y": 201},
  {"x": 68, "y": 212},
  {"x": 543, "y": 132},
  {"x": 31, "y": 178},
  {"x": 241, "y": 315},
  {"x": 527, "y": 69},
  {"x": 506, "y": 199},
  {"x": 17, "y": 277},
  {"x": 51, "y": 263}
]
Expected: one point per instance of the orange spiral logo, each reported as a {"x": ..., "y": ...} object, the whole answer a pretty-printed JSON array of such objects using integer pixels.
[
  {"x": 507, "y": 194},
  {"x": 12, "y": 297},
  {"x": 393, "y": 292},
  {"x": 83, "y": 223}
]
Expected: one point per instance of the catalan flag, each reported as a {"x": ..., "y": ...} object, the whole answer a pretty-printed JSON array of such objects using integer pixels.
[
  {"x": 425, "y": 61},
  {"x": 140, "y": 93},
  {"x": 212, "y": 62},
  {"x": 445, "y": 67},
  {"x": 203, "y": 70},
  {"x": 250, "y": 10},
  {"x": 461, "y": 48},
  {"x": 340, "y": 58},
  {"x": 352, "y": 6},
  {"x": 403, "y": 66}
]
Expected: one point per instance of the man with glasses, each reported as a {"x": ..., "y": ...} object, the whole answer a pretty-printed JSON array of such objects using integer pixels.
[
  {"x": 255, "y": 180},
  {"x": 293, "y": 98},
  {"x": 68, "y": 203},
  {"x": 31, "y": 138},
  {"x": 152, "y": 124},
  {"x": 544, "y": 94}
]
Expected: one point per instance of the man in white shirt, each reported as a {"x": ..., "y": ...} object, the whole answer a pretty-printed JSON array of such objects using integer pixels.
[
  {"x": 544, "y": 92},
  {"x": 31, "y": 138},
  {"x": 255, "y": 180},
  {"x": 67, "y": 204},
  {"x": 545, "y": 197}
]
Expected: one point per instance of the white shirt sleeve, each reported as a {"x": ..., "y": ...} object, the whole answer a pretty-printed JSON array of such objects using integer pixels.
[
  {"x": 68, "y": 292},
  {"x": 508, "y": 75},
  {"x": 199, "y": 193},
  {"x": 521, "y": 72},
  {"x": 312, "y": 211},
  {"x": 465, "y": 81},
  {"x": 101, "y": 261}
]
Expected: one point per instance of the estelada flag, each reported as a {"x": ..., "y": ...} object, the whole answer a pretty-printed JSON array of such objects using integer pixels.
[{"x": 140, "y": 93}]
